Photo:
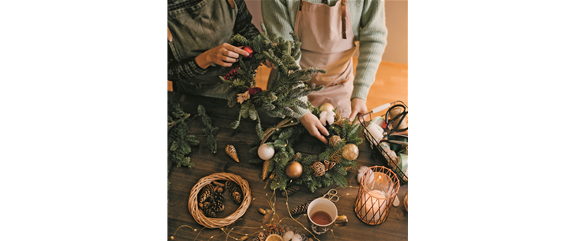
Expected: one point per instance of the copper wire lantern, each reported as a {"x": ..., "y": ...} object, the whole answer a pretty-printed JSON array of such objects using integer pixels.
[{"x": 379, "y": 187}]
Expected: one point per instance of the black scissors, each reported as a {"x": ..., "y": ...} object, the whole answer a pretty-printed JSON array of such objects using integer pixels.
[{"x": 400, "y": 117}]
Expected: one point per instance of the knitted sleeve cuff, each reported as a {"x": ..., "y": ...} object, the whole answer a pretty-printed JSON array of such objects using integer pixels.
[
  {"x": 301, "y": 111},
  {"x": 360, "y": 91}
]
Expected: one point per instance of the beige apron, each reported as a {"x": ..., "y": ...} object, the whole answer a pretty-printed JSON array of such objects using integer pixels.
[{"x": 326, "y": 44}]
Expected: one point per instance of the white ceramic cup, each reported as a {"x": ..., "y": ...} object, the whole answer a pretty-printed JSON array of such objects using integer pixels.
[{"x": 325, "y": 205}]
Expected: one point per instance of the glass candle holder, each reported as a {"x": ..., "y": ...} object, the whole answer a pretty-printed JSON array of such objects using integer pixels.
[{"x": 379, "y": 187}]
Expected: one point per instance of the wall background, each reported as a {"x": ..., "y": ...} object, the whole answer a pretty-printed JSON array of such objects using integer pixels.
[{"x": 397, "y": 24}]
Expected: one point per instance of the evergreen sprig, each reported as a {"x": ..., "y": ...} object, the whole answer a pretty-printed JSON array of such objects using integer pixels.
[
  {"x": 209, "y": 130},
  {"x": 179, "y": 140}
]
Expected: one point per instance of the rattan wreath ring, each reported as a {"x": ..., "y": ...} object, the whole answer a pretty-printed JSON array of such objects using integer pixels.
[{"x": 218, "y": 222}]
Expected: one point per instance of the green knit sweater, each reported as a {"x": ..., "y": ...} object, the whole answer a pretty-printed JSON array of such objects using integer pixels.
[{"x": 367, "y": 19}]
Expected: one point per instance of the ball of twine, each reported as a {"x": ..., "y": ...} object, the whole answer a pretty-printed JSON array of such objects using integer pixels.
[{"x": 218, "y": 222}]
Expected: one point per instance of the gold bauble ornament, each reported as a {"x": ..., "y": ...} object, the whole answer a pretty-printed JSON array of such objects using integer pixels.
[
  {"x": 294, "y": 170},
  {"x": 333, "y": 140},
  {"x": 326, "y": 107},
  {"x": 350, "y": 152}
]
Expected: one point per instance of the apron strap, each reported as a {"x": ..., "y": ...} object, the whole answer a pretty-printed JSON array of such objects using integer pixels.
[
  {"x": 231, "y": 3},
  {"x": 300, "y": 5},
  {"x": 344, "y": 18}
]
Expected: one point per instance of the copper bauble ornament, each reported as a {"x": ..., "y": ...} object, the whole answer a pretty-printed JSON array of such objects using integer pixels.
[
  {"x": 350, "y": 152},
  {"x": 326, "y": 107},
  {"x": 319, "y": 169},
  {"x": 333, "y": 140},
  {"x": 294, "y": 170}
]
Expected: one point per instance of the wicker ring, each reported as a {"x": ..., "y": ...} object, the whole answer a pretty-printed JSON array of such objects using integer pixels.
[{"x": 218, "y": 222}]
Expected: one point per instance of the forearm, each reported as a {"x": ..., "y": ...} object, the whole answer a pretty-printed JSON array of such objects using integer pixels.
[
  {"x": 373, "y": 40},
  {"x": 367, "y": 66},
  {"x": 184, "y": 70}
]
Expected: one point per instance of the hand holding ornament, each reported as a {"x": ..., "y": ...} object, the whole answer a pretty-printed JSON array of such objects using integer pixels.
[{"x": 224, "y": 55}]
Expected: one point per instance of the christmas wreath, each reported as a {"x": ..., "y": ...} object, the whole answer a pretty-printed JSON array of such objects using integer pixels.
[
  {"x": 289, "y": 86},
  {"x": 281, "y": 163}
]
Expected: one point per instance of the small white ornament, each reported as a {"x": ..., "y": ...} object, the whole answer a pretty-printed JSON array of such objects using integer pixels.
[
  {"x": 287, "y": 236},
  {"x": 297, "y": 237},
  {"x": 327, "y": 116},
  {"x": 265, "y": 152}
]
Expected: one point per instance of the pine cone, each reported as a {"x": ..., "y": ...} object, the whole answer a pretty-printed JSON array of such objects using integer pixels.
[
  {"x": 319, "y": 169},
  {"x": 217, "y": 204},
  {"x": 205, "y": 193},
  {"x": 334, "y": 140},
  {"x": 237, "y": 197},
  {"x": 234, "y": 191},
  {"x": 293, "y": 188},
  {"x": 301, "y": 209},
  {"x": 232, "y": 152},
  {"x": 261, "y": 236},
  {"x": 208, "y": 211}
]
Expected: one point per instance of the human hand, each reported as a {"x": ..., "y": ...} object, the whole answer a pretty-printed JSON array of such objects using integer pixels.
[
  {"x": 358, "y": 106},
  {"x": 224, "y": 55},
  {"x": 313, "y": 126}
]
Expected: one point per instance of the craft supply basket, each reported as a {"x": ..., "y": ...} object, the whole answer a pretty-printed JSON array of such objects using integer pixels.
[{"x": 377, "y": 148}]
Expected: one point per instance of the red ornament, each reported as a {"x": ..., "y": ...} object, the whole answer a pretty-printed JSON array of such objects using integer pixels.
[
  {"x": 248, "y": 50},
  {"x": 254, "y": 90}
]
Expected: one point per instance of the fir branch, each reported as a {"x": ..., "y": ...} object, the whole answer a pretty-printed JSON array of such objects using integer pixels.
[
  {"x": 209, "y": 130},
  {"x": 179, "y": 140}
]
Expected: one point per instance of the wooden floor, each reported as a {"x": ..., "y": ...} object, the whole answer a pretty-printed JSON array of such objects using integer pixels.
[{"x": 391, "y": 83}]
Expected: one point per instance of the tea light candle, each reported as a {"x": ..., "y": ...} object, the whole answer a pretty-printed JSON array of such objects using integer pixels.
[
  {"x": 373, "y": 207},
  {"x": 375, "y": 200}
]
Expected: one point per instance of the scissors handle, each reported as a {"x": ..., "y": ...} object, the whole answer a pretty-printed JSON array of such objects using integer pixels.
[{"x": 332, "y": 195}]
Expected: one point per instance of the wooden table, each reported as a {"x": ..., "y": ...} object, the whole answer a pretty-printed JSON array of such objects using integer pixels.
[{"x": 244, "y": 138}]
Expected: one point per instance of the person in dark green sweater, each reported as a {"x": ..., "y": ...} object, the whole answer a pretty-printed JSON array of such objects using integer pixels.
[{"x": 198, "y": 52}]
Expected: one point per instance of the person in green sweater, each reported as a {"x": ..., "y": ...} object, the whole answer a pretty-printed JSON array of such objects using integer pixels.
[{"x": 328, "y": 30}]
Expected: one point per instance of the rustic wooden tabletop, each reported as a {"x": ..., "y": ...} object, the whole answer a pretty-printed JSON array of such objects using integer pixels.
[{"x": 244, "y": 138}]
